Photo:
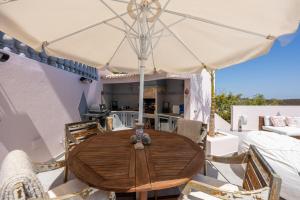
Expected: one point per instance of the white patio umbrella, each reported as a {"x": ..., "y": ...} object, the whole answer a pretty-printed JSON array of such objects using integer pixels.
[{"x": 149, "y": 35}]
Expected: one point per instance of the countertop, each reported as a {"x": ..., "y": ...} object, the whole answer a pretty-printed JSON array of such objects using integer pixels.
[{"x": 149, "y": 115}]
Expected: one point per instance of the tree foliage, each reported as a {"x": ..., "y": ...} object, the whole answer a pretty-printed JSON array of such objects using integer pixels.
[{"x": 225, "y": 101}]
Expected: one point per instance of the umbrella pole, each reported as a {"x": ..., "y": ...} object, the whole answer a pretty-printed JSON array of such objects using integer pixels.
[
  {"x": 213, "y": 104},
  {"x": 141, "y": 95}
]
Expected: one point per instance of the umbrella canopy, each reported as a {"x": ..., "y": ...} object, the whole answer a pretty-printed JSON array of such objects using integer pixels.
[
  {"x": 172, "y": 36},
  {"x": 185, "y": 34}
]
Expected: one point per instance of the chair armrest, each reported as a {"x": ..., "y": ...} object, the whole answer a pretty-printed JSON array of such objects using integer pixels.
[
  {"x": 262, "y": 193},
  {"x": 101, "y": 129},
  {"x": 70, "y": 137},
  {"x": 48, "y": 166},
  {"x": 84, "y": 194},
  {"x": 238, "y": 159}
]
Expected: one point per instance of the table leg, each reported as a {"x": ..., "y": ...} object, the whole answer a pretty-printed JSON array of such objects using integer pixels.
[{"x": 143, "y": 195}]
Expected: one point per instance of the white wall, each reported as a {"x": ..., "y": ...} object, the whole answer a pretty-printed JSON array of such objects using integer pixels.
[
  {"x": 253, "y": 112},
  {"x": 200, "y": 97},
  {"x": 221, "y": 124},
  {"x": 36, "y": 100}
]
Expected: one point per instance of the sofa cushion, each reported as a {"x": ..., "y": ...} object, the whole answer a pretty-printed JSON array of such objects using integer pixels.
[
  {"x": 278, "y": 121},
  {"x": 190, "y": 129},
  {"x": 293, "y": 121},
  {"x": 267, "y": 121}
]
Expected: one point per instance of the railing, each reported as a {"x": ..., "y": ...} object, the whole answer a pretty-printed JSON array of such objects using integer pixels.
[
  {"x": 127, "y": 119},
  {"x": 8, "y": 43},
  {"x": 166, "y": 122},
  {"x": 124, "y": 119}
]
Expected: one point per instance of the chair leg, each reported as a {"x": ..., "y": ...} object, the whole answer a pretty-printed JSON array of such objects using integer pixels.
[
  {"x": 155, "y": 195},
  {"x": 66, "y": 170},
  {"x": 66, "y": 174},
  {"x": 205, "y": 168}
]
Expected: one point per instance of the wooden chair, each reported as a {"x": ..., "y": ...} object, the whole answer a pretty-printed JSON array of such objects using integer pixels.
[
  {"x": 194, "y": 130},
  {"x": 260, "y": 181},
  {"x": 78, "y": 132},
  {"x": 19, "y": 181}
]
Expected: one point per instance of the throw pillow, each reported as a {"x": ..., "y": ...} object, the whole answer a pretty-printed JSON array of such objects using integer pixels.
[
  {"x": 267, "y": 121},
  {"x": 278, "y": 121},
  {"x": 292, "y": 121}
]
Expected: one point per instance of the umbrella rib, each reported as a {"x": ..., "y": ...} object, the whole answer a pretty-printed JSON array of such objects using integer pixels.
[
  {"x": 182, "y": 43},
  {"x": 158, "y": 39},
  {"x": 117, "y": 15},
  {"x": 118, "y": 28},
  {"x": 120, "y": 44},
  {"x": 151, "y": 46},
  {"x": 156, "y": 18},
  {"x": 217, "y": 24},
  {"x": 82, "y": 30},
  {"x": 121, "y": 1},
  {"x": 170, "y": 25},
  {"x": 7, "y": 2},
  {"x": 117, "y": 49}
]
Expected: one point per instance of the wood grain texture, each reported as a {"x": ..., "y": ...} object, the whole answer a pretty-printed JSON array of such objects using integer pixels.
[
  {"x": 261, "y": 122},
  {"x": 110, "y": 162},
  {"x": 77, "y": 132},
  {"x": 259, "y": 174},
  {"x": 260, "y": 180}
]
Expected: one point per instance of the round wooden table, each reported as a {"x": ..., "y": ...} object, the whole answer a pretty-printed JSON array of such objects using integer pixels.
[{"x": 109, "y": 162}]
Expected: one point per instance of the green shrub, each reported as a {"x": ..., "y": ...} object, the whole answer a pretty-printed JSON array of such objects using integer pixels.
[{"x": 224, "y": 102}]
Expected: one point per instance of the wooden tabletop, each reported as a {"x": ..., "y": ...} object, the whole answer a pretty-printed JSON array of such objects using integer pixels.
[{"x": 111, "y": 163}]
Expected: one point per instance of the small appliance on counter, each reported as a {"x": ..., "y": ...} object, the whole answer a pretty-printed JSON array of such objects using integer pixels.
[
  {"x": 99, "y": 112},
  {"x": 166, "y": 107},
  {"x": 175, "y": 109},
  {"x": 181, "y": 108},
  {"x": 114, "y": 105},
  {"x": 149, "y": 106}
]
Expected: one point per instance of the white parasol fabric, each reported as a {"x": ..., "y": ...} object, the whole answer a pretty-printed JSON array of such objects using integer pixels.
[
  {"x": 150, "y": 35},
  {"x": 186, "y": 34}
]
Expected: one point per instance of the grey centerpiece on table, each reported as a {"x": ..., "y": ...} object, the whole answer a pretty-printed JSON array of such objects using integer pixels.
[{"x": 146, "y": 140}]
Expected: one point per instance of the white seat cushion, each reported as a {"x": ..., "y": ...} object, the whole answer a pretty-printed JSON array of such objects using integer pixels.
[
  {"x": 190, "y": 129},
  {"x": 74, "y": 186}
]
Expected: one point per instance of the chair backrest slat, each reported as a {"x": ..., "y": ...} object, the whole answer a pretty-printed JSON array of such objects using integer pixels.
[
  {"x": 76, "y": 133},
  {"x": 259, "y": 174}
]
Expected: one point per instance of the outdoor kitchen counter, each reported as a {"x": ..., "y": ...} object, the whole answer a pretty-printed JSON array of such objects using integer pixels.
[
  {"x": 148, "y": 114},
  {"x": 163, "y": 121}
]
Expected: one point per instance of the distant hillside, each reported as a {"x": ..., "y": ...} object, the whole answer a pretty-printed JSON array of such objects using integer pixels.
[{"x": 290, "y": 102}]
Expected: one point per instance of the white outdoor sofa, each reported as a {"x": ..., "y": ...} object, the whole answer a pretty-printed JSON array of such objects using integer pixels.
[{"x": 282, "y": 153}]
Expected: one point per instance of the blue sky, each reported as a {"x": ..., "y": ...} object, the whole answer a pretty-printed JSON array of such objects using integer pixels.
[{"x": 275, "y": 75}]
